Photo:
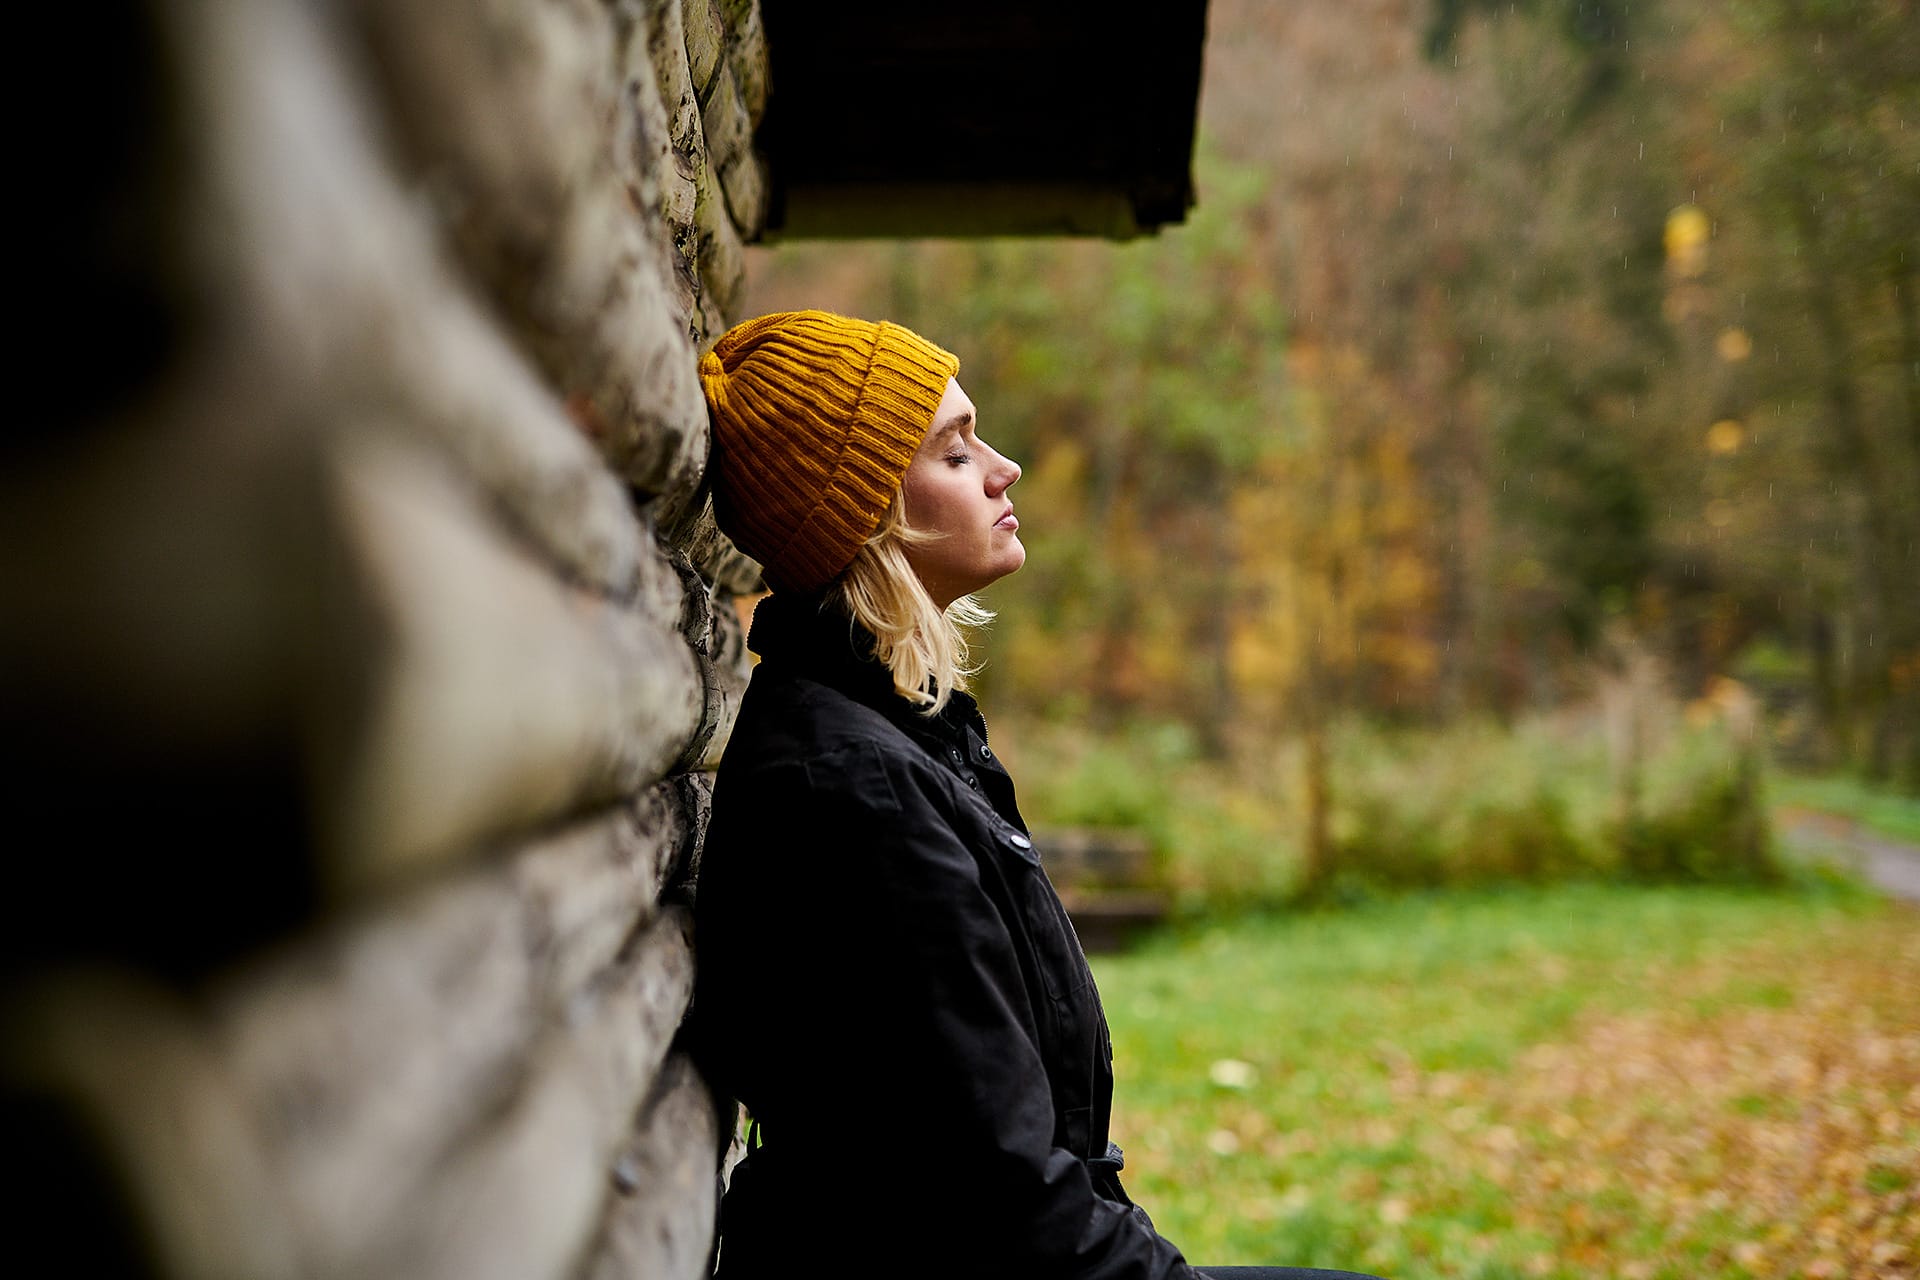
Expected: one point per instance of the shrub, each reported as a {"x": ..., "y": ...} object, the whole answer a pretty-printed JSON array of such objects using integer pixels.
[{"x": 1472, "y": 804}]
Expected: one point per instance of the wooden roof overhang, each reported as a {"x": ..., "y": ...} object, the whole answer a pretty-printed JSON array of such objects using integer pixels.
[{"x": 890, "y": 118}]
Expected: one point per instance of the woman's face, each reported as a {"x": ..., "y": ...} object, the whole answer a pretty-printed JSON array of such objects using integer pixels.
[{"x": 956, "y": 488}]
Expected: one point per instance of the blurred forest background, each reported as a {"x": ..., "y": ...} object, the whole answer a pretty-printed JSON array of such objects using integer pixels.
[{"x": 1524, "y": 425}]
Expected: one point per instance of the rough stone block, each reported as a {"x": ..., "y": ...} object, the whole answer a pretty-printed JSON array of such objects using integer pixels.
[
  {"x": 501, "y": 698},
  {"x": 705, "y": 40},
  {"x": 747, "y": 55},
  {"x": 660, "y": 1219}
]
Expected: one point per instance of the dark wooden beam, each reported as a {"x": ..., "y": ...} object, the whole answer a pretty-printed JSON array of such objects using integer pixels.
[{"x": 1001, "y": 118}]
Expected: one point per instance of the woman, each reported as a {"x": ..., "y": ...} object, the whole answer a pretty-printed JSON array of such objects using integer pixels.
[{"x": 887, "y": 979}]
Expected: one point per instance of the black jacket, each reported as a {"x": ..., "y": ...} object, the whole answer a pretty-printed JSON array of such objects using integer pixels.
[{"x": 888, "y": 981}]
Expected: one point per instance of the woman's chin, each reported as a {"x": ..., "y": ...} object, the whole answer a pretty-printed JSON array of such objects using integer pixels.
[{"x": 1016, "y": 557}]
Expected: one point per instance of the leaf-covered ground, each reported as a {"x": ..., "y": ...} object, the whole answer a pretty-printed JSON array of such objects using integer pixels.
[{"x": 1576, "y": 1082}]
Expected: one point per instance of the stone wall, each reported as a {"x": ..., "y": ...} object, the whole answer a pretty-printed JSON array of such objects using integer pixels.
[{"x": 374, "y": 642}]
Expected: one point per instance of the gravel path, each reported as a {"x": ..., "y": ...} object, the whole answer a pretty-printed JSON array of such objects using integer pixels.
[{"x": 1891, "y": 864}]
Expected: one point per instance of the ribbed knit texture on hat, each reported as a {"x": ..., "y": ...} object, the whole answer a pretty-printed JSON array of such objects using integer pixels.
[{"x": 815, "y": 419}]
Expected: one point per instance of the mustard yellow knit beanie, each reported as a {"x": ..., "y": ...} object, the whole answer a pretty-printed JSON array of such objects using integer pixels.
[{"x": 815, "y": 420}]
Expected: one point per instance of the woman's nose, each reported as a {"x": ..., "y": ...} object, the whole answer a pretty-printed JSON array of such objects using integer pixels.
[{"x": 1007, "y": 473}]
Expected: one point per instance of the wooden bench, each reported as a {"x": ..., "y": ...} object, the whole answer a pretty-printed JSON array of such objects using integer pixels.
[{"x": 1106, "y": 882}]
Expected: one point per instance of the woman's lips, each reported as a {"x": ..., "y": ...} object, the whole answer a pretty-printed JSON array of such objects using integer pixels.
[{"x": 1007, "y": 521}]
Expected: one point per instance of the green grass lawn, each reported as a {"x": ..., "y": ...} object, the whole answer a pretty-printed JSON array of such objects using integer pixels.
[{"x": 1572, "y": 1082}]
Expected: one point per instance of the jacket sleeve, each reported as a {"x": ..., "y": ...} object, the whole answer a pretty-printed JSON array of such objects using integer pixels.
[{"x": 934, "y": 991}]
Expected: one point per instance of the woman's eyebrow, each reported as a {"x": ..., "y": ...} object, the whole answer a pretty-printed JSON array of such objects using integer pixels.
[{"x": 958, "y": 422}]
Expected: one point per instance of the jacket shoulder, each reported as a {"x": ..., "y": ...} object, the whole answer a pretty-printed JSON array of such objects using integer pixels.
[{"x": 786, "y": 718}]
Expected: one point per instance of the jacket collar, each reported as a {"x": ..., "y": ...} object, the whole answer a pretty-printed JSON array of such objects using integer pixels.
[
  {"x": 810, "y": 636},
  {"x": 806, "y": 637}
]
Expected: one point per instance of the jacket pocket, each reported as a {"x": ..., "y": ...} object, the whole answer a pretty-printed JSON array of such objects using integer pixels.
[
  {"x": 1071, "y": 1026},
  {"x": 1062, "y": 963},
  {"x": 1018, "y": 841},
  {"x": 1067, "y": 972}
]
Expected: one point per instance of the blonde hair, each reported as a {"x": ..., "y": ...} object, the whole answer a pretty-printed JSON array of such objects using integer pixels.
[{"x": 924, "y": 647}]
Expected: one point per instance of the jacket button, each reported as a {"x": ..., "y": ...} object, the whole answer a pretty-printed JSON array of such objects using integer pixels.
[
  {"x": 1019, "y": 841},
  {"x": 985, "y": 754},
  {"x": 973, "y": 782}
]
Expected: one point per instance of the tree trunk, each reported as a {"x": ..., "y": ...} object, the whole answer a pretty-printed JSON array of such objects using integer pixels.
[
  {"x": 1856, "y": 460},
  {"x": 1907, "y": 307},
  {"x": 1216, "y": 636},
  {"x": 1318, "y": 872}
]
